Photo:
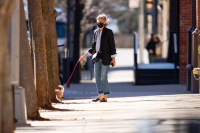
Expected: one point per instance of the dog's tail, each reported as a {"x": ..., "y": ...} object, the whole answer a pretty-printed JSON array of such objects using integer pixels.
[{"x": 61, "y": 87}]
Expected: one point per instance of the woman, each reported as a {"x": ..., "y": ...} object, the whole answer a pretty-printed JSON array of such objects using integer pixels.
[
  {"x": 151, "y": 46},
  {"x": 103, "y": 42}
]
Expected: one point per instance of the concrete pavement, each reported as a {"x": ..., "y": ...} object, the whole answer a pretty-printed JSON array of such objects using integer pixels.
[
  {"x": 177, "y": 113},
  {"x": 130, "y": 108}
]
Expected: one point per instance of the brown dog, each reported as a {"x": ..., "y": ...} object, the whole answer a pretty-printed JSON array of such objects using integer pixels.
[{"x": 59, "y": 93}]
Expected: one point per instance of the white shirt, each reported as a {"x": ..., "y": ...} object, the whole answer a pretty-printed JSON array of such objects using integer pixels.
[{"x": 98, "y": 44}]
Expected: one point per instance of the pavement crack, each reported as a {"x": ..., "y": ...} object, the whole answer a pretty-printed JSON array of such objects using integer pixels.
[{"x": 84, "y": 126}]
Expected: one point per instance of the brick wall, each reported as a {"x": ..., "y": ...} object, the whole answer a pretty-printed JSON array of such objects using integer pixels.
[{"x": 185, "y": 23}]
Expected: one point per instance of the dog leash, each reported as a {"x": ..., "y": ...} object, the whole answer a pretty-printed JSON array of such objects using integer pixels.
[{"x": 72, "y": 73}]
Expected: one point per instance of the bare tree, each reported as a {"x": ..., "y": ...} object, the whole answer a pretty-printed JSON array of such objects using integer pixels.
[
  {"x": 26, "y": 68},
  {"x": 119, "y": 9},
  {"x": 37, "y": 37},
  {"x": 6, "y": 100},
  {"x": 51, "y": 41},
  {"x": 61, "y": 4},
  {"x": 54, "y": 46}
]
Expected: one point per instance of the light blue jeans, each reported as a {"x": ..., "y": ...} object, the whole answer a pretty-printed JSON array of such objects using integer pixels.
[{"x": 101, "y": 77}]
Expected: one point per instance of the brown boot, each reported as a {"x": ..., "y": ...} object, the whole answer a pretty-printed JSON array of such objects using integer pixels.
[
  {"x": 103, "y": 100},
  {"x": 96, "y": 100}
]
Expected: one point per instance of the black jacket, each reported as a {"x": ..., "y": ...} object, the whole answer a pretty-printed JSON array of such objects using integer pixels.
[{"x": 107, "y": 45}]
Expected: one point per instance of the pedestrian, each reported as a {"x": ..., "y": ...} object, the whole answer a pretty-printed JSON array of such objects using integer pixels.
[
  {"x": 103, "y": 45},
  {"x": 151, "y": 45}
]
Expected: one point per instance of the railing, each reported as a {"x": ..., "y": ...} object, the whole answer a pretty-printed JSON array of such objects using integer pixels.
[
  {"x": 135, "y": 46},
  {"x": 175, "y": 57},
  {"x": 138, "y": 73}
]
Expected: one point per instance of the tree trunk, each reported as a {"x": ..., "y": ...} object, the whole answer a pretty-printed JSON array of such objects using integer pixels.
[
  {"x": 26, "y": 68},
  {"x": 46, "y": 21},
  {"x": 54, "y": 45},
  {"x": 37, "y": 37},
  {"x": 6, "y": 99}
]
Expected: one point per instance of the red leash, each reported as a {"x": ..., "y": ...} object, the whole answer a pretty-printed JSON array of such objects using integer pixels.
[{"x": 72, "y": 73}]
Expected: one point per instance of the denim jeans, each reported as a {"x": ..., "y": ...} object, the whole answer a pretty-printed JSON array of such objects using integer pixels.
[{"x": 101, "y": 77}]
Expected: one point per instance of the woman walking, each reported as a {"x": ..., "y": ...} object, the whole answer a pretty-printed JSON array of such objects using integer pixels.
[{"x": 103, "y": 43}]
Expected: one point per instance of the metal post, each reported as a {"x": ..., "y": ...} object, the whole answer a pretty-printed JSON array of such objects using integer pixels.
[
  {"x": 190, "y": 79},
  {"x": 195, "y": 83},
  {"x": 154, "y": 16},
  {"x": 135, "y": 46},
  {"x": 198, "y": 37},
  {"x": 189, "y": 46},
  {"x": 76, "y": 49},
  {"x": 66, "y": 62},
  {"x": 189, "y": 54},
  {"x": 141, "y": 30},
  {"x": 175, "y": 57}
]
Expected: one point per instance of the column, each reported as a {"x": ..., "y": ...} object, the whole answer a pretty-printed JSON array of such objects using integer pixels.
[{"x": 15, "y": 28}]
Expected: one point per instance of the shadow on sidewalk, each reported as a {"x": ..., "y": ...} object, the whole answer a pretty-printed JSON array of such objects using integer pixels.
[
  {"x": 123, "y": 89},
  {"x": 120, "y": 68}
]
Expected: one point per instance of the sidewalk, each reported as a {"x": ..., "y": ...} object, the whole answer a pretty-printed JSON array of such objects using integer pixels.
[
  {"x": 130, "y": 108},
  {"x": 140, "y": 114}
]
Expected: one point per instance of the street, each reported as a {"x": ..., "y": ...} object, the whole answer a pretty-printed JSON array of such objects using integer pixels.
[{"x": 130, "y": 108}]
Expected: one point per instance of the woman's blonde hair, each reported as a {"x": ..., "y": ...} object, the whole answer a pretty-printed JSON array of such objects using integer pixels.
[{"x": 104, "y": 17}]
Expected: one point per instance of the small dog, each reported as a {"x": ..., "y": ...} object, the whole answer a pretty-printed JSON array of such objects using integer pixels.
[{"x": 59, "y": 93}]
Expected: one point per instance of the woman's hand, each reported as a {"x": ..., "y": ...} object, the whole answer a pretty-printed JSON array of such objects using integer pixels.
[
  {"x": 113, "y": 61},
  {"x": 83, "y": 57}
]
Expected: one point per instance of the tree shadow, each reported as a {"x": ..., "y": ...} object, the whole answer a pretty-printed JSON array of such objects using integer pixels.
[
  {"x": 42, "y": 119},
  {"x": 51, "y": 108}
]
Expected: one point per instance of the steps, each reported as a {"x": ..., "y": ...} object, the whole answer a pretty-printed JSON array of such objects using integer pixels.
[{"x": 156, "y": 76}]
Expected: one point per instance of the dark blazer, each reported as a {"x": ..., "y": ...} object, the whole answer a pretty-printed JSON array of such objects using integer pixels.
[{"x": 107, "y": 45}]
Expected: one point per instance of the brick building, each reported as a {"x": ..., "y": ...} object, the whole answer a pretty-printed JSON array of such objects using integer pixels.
[
  {"x": 190, "y": 18},
  {"x": 181, "y": 17},
  {"x": 185, "y": 24},
  {"x": 189, "y": 42}
]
